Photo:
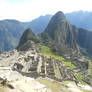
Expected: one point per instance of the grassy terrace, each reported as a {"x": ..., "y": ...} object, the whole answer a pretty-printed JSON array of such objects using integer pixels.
[
  {"x": 79, "y": 79},
  {"x": 47, "y": 52},
  {"x": 69, "y": 64}
]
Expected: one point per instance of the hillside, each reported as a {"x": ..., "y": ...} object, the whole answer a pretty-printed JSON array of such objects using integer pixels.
[
  {"x": 10, "y": 33},
  {"x": 81, "y": 19}
]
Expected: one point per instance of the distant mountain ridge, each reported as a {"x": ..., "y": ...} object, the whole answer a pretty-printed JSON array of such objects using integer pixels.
[
  {"x": 11, "y": 30},
  {"x": 39, "y": 24},
  {"x": 81, "y": 19}
]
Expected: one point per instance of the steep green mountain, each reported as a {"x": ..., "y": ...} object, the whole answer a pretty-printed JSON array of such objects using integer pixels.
[
  {"x": 65, "y": 37},
  {"x": 25, "y": 41},
  {"x": 61, "y": 33}
]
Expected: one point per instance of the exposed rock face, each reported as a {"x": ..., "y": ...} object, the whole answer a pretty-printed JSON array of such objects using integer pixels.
[
  {"x": 66, "y": 37},
  {"x": 60, "y": 32}
]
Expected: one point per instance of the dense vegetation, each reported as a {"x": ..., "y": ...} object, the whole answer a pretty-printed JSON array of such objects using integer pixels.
[{"x": 10, "y": 32}]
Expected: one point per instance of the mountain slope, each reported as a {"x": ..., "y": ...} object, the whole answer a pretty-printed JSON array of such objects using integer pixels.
[
  {"x": 85, "y": 40},
  {"x": 66, "y": 37},
  {"x": 26, "y": 40},
  {"x": 61, "y": 33},
  {"x": 10, "y": 32},
  {"x": 81, "y": 19}
]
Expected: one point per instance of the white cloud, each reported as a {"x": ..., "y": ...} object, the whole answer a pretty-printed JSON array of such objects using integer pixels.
[{"x": 33, "y": 8}]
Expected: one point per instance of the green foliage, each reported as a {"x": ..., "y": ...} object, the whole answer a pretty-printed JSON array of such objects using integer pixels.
[
  {"x": 47, "y": 52},
  {"x": 79, "y": 79},
  {"x": 10, "y": 32},
  {"x": 27, "y": 36},
  {"x": 69, "y": 64}
]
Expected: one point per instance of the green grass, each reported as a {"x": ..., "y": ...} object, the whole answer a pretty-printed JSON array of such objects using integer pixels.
[
  {"x": 47, "y": 52},
  {"x": 69, "y": 64},
  {"x": 79, "y": 79}
]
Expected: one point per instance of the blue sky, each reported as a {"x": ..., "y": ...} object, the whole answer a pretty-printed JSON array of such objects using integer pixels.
[{"x": 26, "y": 10}]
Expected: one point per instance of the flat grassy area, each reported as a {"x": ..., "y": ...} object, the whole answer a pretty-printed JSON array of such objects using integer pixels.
[{"x": 47, "y": 52}]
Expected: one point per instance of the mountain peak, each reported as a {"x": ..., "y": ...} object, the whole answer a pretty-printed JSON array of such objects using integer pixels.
[
  {"x": 59, "y": 17},
  {"x": 27, "y": 36},
  {"x": 60, "y": 31},
  {"x": 57, "y": 24},
  {"x": 59, "y": 13}
]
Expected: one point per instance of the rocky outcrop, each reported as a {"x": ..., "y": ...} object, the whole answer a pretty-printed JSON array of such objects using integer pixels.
[{"x": 18, "y": 83}]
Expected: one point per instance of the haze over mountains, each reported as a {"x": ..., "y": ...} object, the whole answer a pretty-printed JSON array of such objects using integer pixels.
[
  {"x": 11, "y": 30},
  {"x": 56, "y": 57}
]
